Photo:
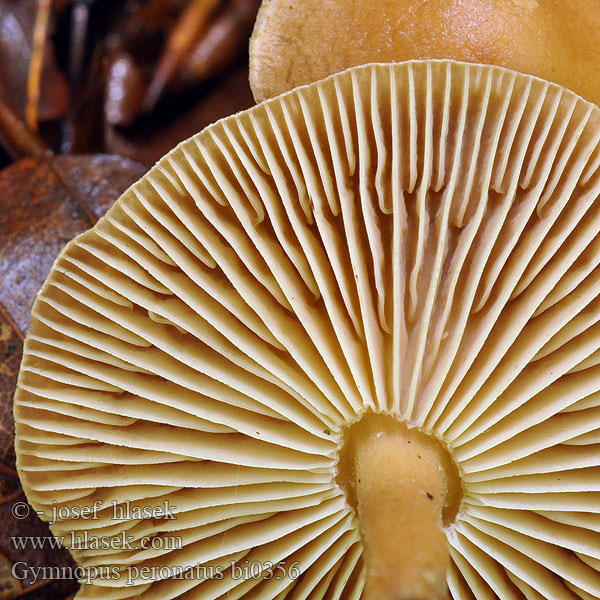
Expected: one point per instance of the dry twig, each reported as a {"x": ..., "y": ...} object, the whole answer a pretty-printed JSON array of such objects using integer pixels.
[
  {"x": 191, "y": 22},
  {"x": 17, "y": 139},
  {"x": 34, "y": 79}
]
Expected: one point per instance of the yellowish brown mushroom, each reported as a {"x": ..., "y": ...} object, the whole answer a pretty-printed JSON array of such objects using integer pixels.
[
  {"x": 342, "y": 345},
  {"x": 296, "y": 42}
]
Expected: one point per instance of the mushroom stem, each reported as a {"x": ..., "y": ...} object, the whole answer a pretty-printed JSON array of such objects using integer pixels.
[{"x": 401, "y": 487}]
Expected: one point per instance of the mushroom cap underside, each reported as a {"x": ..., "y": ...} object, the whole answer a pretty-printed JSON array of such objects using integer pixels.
[{"x": 420, "y": 240}]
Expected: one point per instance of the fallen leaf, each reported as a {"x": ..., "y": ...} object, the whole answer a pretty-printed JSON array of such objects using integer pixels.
[
  {"x": 228, "y": 94},
  {"x": 11, "y": 347},
  {"x": 220, "y": 46},
  {"x": 17, "y": 577},
  {"x": 45, "y": 203},
  {"x": 9, "y": 586},
  {"x": 17, "y": 21},
  {"x": 125, "y": 89}
]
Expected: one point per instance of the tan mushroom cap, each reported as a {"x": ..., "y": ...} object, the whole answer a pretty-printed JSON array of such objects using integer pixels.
[
  {"x": 419, "y": 240},
  {"x": 296, "y": 42}
]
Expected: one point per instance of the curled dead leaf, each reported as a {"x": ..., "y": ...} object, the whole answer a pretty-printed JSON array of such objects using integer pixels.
[{"x": 45, "y": 203}]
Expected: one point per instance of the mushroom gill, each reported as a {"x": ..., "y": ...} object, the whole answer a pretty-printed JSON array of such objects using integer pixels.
[{"x": 259, "y": 328}]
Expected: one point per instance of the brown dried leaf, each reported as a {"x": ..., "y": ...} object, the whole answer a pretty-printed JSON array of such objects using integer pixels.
[
  {"x": 191, "y": 22},
  {"x": 13, "y": 532},
  {"x": 223, "y": 42},
  {"x": 125, "y": 89},
  {"x": 229, "y": 94},
  {"x": 45, "y": 203},
  {"x": 9, "y": 586},
  {"x": 11, "y": 347},
  {"x": 17, "y": 22},
  {"x": 83, "y": 129}
]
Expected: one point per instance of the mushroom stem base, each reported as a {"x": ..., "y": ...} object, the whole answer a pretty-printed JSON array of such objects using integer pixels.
[{"x": 401, "y": 482}]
